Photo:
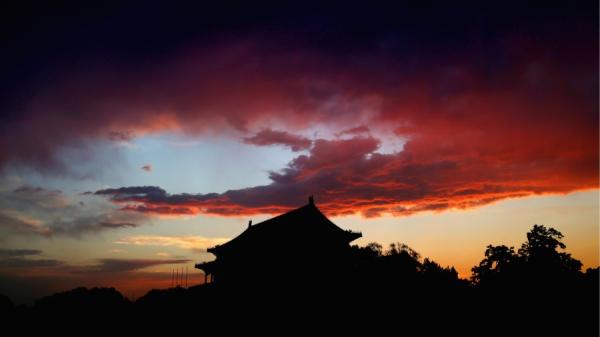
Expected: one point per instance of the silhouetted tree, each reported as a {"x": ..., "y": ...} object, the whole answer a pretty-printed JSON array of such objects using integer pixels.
[
  {"x": 376, "y": 248},
  {"x": 401, "y": 261},
  {"x": 535, "y": 291},
  {"x": 83, "y": 299},
  {"x": 438, "y": 277},
  {"x": 401, "y": 248},
  {"x": 430, "y": 267},
  {"x": 498, "y": 260},
  {"x": 371, "y": 251},
  {"x": 538, "y": 284},
  {"x": 538, "y": 258},
  {"x": 6, "y": 305},
  {"x": 592, "y": 274},
  {"x": 540, "y": 251}
]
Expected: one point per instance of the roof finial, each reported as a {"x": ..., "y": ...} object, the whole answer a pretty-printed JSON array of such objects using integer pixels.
[
  {"x": 311, "y": 200},
  {"x": 249, "y": 223}
]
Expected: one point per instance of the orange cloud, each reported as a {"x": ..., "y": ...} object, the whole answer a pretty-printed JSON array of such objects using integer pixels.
[
  {"x": 350, "y": 175},
  {"x": 196, "y": 243}
]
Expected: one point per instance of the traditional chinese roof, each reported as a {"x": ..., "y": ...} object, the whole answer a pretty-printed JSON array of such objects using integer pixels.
[{"x": 306, "y": 223}]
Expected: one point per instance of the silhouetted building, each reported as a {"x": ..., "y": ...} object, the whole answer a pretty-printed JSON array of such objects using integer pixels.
[{"x": 301, "y": 245}]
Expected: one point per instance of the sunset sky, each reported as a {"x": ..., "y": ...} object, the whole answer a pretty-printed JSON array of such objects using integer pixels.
[{"x": 134, "y": 135}]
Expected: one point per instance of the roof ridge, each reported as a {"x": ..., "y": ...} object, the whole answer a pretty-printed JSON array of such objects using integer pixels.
[{"x": 308, "y": 216}]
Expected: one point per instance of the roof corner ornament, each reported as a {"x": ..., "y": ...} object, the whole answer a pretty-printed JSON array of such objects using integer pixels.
[
  {"x": 311, "y": 200},
  {"x": 249, "y": 223}
]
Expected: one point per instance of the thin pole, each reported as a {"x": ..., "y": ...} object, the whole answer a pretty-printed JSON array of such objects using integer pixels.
[
  {"x": 172, "y": 278},
  {"x": 186, "y": 276}
]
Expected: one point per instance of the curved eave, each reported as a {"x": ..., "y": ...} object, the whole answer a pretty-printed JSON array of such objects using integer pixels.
[
  {"x": 214, "y": 250},
  {"x": 353, "y": 236},
  {"x": 308, "y": 213},
  {"x": 207, "y": 267}
]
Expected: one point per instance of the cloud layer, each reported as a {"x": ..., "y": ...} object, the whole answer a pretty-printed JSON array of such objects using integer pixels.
[
  {"x": 350, "y": 175},
  {"x": 26, "y": 275},
  {"x": 268, "y": 137},
  {"x": 194, "y": 243},
  {"x": 21, "y": 258},
  {"x": 37, "y": 211},
  {"x": 489, "y": 102},
  {"x": 127, "y": 265}
]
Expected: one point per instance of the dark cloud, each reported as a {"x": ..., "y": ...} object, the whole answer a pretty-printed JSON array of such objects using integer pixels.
[
  {"x": 28, "y": 197},
  {"x": 29, "y": 263},
  {"x": 357, "y": 130},
  {"x": 86, "y": 224},
  {"x": 107, "y": 265},
  {"x": 37, "y": 211},
  {"x": 29, "y": 189},
  {"x": 226, "y": 68},
  {"x": 23, "y": 225},
  {"x": 25, "y": 280},
  {"x": 117, "y": 224},
  {"x": 490, "y": 101},
  {"x": 126, "y": 265},
  {"x": 4, "y": 253},
  {"x": 20, "y": 258},
  {"x": 152, "y": 193},
  {"x": 80, "y": 225},
  {"x": 121, "y": 136},
  {"x": 133, "y": 191},
  {"x": 272, "y": 137},
  {"x": 165, "y": 210}
]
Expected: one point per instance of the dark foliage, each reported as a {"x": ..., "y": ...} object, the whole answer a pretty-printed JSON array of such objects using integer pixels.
[
  {"x": 537, "y": 290},
  {"x": 6, "y": 305}
]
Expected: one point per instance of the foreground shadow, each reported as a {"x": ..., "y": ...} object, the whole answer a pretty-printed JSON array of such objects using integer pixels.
[{"x": 314, "y": 282}]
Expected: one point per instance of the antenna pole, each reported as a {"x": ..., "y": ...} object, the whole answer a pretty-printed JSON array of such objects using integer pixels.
[{"x": 186, "y": 276}]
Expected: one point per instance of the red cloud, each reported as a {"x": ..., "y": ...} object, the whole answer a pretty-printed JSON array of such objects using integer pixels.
[
  {"x": 478, "y": 125},
  {"x": 121, "y": 136},
  {"x": 350, "y": 176},
  {"x": 357, "y": 130},
  {"x": 272, "y": 137},
  {"x": 530, "y": 97}
]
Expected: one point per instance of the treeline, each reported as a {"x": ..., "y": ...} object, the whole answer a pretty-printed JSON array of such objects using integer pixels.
[
  {"x": 537, "y": 289},
  {"x": 538, "y": 261}
]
